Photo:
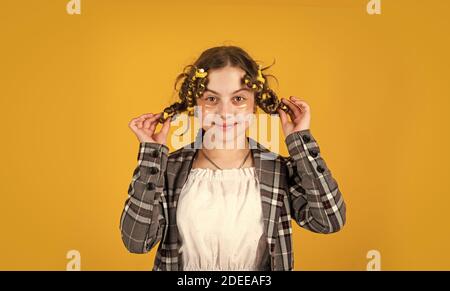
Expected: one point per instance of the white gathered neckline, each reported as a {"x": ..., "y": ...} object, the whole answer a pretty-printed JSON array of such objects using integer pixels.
[
  {"x": 235, "y": 173},
  {"x": 229, "y": 169}
]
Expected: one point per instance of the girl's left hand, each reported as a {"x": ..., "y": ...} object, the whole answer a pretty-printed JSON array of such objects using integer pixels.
[{"x": 299, "y": 113}]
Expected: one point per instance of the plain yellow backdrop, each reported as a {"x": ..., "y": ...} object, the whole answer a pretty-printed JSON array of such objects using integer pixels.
[{"x": 378, "y": 86}]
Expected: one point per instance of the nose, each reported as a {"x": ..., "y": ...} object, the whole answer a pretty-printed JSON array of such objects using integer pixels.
[{"x": 225, "y": 112}]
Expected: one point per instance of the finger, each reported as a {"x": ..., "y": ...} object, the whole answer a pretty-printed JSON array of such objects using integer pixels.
[
  {"x": 292, "y": 106},
  {"x": 295, "y": 101},
  {"x": 166, "y": 126},
  {"x": 132, "y": 123},
  {"x": 141, "y": 119},
  {"x": 146, "y": 115},
  {"x": 283, "y": 116},
  {"x": 155, "y": 118},
  {"x": 293, "y": 109},
  {"x": 149, "y": 121},
  {"x": 300, "y": 103},
  {"x": 153, "y": 126},
  {"x": 139, "y": 122},
  {"x": 135, "y": 120}
]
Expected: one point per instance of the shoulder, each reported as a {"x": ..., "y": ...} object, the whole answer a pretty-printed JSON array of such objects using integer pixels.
[
  {"x": 176, "y": 153},
  {"x": 184, "y": 153},
  {"x": 270, "y": 161},
  {"x": 265, "y": 154}
]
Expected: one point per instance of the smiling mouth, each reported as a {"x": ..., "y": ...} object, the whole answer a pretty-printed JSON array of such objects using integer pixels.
[{"x": 226, "y": 126}]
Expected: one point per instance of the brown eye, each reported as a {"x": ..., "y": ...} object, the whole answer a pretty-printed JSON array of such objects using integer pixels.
[
  {"x": 239, "y": 98},
  {"x": 211, "y": 99}
]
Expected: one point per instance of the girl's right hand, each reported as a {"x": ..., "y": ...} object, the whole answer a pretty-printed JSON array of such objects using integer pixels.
[{"x": 144, "y": 128}]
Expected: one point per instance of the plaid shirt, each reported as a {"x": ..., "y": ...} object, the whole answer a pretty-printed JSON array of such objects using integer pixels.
[{"x": 299, "y": 186}]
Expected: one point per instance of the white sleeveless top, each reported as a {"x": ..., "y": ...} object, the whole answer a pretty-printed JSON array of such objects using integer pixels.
[{"x": 220, "y": 221}]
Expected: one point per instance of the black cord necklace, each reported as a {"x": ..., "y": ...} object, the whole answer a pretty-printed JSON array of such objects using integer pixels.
[{"x": 246, "y": 156}]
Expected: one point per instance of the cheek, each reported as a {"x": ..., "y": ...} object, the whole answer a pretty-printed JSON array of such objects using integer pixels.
[
  {"x": 252, "y": 102},
  {"x": 208, "y": 115},
  {"x": 251, "y": 108},
  {"x": 248, "y": 113},
  {"x": 203, "y": 108},
  {"x": 248, "y": 106}
]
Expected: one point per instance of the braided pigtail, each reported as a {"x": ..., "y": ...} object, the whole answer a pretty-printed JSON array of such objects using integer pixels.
[
  {"x": 193, "y": 86},
  {"x": 265, "y": 97}
]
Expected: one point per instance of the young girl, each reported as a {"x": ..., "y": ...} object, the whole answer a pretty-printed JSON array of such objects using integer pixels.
[{"x": 227, "y": 208}]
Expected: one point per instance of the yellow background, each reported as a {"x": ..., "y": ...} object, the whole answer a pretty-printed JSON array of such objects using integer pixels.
[{"x": 377, "y": 85}]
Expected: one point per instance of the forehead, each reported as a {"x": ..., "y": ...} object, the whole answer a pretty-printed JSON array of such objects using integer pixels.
[{"x": 225, "y": 80}]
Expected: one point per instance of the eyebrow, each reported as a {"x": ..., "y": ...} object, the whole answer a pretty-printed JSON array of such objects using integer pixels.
[{"x": 238, "y": 90}]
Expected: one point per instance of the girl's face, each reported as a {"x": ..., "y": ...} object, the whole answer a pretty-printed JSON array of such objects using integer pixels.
[{"x": 226, "y": 105}]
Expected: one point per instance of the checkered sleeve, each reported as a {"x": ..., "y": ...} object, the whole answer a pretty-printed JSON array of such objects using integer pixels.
[
  {"x": 316, "y": 201},
  {"x": 142, "y": 220}
]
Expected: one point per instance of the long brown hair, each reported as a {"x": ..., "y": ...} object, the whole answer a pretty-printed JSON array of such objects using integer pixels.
[{"x": 216, "y": 58}]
